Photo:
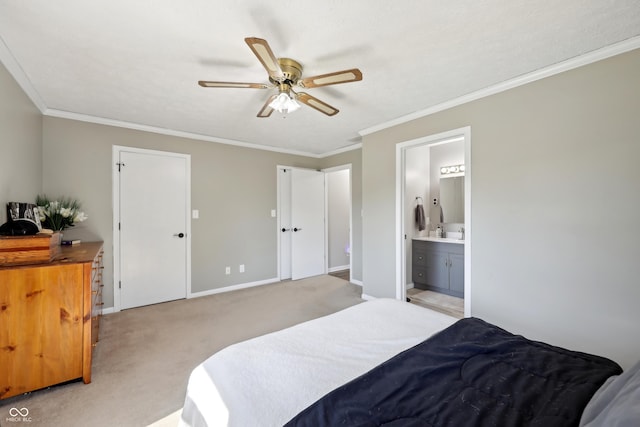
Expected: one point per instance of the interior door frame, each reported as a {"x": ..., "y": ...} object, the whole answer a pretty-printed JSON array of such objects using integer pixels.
[
  {"x": 115, "y": 180},
  {"x": 463, "y": 133}
]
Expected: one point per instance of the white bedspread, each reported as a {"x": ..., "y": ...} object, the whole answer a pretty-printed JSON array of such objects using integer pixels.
[{"x": 268, "y": 380}]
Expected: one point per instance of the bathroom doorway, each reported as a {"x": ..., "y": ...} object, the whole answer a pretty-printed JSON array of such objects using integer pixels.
[{"x": 417, "y": 180}]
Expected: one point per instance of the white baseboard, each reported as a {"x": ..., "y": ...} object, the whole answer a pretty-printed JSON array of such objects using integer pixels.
[
  {"x": 368, "y": 297},
  {"x": 110, "y": 310},
  {"x": 232, "y": 288},
  {"x": 338, "y": 268},
  {"x": 356, "y": 282}
]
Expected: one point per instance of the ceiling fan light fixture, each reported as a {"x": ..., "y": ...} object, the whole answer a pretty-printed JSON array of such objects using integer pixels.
[{"x": 284, "y": 103}]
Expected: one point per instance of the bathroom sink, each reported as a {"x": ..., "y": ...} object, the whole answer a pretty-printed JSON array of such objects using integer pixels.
[{"x": 453, "y": 235}]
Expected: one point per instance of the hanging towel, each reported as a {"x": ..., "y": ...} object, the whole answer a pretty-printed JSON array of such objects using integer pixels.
[{"x": 420, "y": 219}]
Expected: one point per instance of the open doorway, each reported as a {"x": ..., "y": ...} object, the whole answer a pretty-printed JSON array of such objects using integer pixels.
[
  {"x": 338, "y": 196},
  {"x": 445, "y": 259}
]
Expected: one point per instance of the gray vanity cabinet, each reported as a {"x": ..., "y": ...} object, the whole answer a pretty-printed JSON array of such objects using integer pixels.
[{"x": 438, "y": 266}]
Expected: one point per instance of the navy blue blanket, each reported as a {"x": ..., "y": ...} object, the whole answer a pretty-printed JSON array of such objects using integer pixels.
[{"x": 470, "y": 374}]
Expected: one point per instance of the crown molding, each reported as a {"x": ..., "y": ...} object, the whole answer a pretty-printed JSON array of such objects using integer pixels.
[
  {"x": 16, "y": 71},
  {"x": 570, "y": 64},
  {"x": 164, "y": 131},
  {"x": 341, "y": 150}
]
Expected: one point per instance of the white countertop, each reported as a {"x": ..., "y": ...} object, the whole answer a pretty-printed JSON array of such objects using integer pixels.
[{"x": 440, "y": 240}]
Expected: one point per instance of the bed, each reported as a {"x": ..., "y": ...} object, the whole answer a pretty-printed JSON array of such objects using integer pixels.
[{"x": 387, "y": 362}]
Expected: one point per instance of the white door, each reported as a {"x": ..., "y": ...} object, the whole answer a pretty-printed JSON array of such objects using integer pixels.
[
  {"x": 307, "y": 223},
  {"x": 153, "y": 227},
  {"x": 284, "y": 222}
]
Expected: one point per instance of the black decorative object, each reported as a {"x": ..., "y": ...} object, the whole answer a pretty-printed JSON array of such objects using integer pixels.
[{"x": 23, "y": 219}]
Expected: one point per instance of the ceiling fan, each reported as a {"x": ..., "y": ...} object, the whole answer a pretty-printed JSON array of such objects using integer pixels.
[{"x": 284, "y": 74}]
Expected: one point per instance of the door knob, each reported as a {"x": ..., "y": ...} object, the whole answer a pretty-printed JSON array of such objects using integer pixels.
[
  {"x": 297, "y": 229},
  {"x": 285, "y": 229},
  {"x": 180, "y": 235}
]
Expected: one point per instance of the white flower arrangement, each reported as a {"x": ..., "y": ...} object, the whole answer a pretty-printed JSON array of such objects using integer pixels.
[{"x": 59, "y": 214}]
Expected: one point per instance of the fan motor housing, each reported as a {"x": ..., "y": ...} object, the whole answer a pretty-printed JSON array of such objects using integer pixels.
[{"x": 291, "y": 69}]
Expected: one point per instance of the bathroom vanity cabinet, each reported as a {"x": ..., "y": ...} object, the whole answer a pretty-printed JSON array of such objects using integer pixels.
[{"x": 438, "y": 265}]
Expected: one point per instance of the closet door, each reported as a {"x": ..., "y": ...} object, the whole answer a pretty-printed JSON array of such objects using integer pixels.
[
  {"x": 301, "y": 224},
  {"x": 153, "y": 222}
]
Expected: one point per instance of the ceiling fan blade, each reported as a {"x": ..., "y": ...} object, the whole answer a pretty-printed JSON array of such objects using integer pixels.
[
  {"x": 266, "y": 110},
  {"x": 205, "y": 83},
  {"x": 261, "y": 49},
  {"x": 313, "y": 102},
  {"x": 345, "y": 76}
]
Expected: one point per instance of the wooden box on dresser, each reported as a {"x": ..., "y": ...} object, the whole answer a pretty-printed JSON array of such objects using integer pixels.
[{"x": 49, "y": 319}]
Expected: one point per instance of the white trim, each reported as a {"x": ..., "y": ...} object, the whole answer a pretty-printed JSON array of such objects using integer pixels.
[
  {"x": 356, "y": 282},
  {"x": 339, "y": 268},
  {"x": 326, "y": 221},
  {"x": 115, "y": 192},
  {"x": 14, "y": 68},
  {"x": 170, "y": 132},
  {"x": 401, "y": 148},
  {"x": 115, "y": 202},
  {"x": 341, "y": 150},
  {"x": 569, "y": 64},
  {"x": 232, "y": 288},
  {"x": 108, "y": 310},
  {"x": 368, "y": 297}
]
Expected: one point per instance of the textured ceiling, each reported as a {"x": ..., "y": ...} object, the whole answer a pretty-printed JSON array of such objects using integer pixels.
[{"x": 138, "y": 62}]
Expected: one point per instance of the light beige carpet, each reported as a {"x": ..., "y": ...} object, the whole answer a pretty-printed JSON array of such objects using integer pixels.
[{"x": 142, "y": 362}]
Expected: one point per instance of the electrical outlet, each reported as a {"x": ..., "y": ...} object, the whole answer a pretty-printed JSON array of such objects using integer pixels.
[
  {"x": 241, "y": 268},
  {"x": 227, "y": 270}
]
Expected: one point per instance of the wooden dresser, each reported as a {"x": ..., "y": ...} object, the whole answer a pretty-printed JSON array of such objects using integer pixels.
[{"x": 49, "y": 319}]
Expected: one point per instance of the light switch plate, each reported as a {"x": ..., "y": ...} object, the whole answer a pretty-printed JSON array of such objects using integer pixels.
[{"x": 195, "y": 214}]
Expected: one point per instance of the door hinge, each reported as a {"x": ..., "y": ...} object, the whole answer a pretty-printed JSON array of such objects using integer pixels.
[
  {"x": 119, "y": 284},
  {"x": 118, "y": 226},
  {"x": 119, "y": 165}
]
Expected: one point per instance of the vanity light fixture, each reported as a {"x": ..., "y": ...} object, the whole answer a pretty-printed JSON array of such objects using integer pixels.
[{"x": 453, "y": 169}]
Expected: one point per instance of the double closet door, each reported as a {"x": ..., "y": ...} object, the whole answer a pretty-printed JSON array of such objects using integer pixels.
[{"x": 301, "y": 223}]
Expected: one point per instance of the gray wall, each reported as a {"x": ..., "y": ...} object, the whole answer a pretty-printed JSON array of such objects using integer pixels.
[
  {"x": 234, "y": 188},
  {"x": 353, "y": 157},
  {"x": 20, "y": 145},
  {"x": 338, "y": 201},
  {"x": 555, "y": 202}
]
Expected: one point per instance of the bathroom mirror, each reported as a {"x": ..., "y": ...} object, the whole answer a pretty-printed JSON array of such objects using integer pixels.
[{"x": 452, "y": 199}]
